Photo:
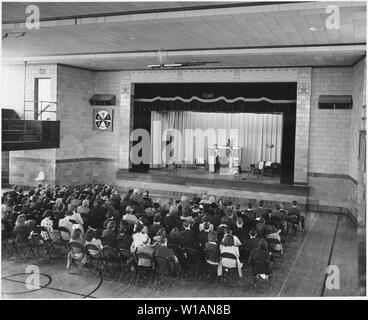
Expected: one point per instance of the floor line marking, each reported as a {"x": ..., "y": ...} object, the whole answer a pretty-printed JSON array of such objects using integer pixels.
[
  {"x": 330, "y": 257},
  {"x": 51, "y": 288},
  {"x": 296, "y": 258}
]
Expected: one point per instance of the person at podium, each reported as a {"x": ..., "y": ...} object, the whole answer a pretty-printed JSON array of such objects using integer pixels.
[{"x": 216, "y": 155}]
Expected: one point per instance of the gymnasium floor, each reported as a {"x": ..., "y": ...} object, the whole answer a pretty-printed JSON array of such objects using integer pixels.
[{"x": 329, "y": 240}]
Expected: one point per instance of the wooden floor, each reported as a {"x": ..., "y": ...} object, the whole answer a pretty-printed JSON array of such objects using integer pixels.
[
  {"x": 199, "y": 177},
  {"x": 330, "y": 239}
]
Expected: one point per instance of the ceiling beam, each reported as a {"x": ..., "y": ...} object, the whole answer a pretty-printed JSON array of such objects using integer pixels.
[{"x": 350, "y": 48}]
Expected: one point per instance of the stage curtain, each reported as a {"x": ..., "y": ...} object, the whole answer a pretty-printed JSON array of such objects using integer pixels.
[{"x": 255, "y": 132}]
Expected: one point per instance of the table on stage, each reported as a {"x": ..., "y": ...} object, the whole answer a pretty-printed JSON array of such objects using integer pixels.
[{"x": 229, "y": 158}]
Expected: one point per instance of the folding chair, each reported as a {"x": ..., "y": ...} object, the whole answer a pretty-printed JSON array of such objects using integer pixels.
[
  {"x": 210, "y": 266},
  {"x": 95, "y": 257},
  {"x": 275, "y": 248},
  {"x": 41, "y": 246},
  {"x": 229, "y": 265},
  {"x": 257, "y": 168},
  {"x": 65, "y": 234},
  {"x": 144, "y": 268},
  {"x": 8, "y": 242},
  {"x": 163, "y": 271},
  {"x": 261, "y": 273},
  {"x": 112, "y": 261},
  {"x": 59, "y": 242},
  {"x": 191, "y": 263},
  {"x": 77, "y": 256},
  {"x": 126, "y": 258},
  {"x": 178, "y": 252},
  {"x": 43, "y": 231}
]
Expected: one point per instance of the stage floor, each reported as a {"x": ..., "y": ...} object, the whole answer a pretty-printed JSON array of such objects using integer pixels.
[
  {"x": 240, "y": 189},
  {"x": 200, "y": 172}
]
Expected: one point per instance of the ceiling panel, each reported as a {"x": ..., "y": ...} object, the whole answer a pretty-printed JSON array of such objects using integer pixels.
[
  {"x": 201, "y": 32},
  {"x": 268, "y": 28},
  {"x": 16, "y": 10}
]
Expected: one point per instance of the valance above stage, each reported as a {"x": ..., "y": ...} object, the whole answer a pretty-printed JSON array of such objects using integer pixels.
[{"x": 216, "y": 97}]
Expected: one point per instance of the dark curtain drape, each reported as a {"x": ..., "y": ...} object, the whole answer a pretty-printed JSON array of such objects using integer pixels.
[{"x": 273, "y": 91}]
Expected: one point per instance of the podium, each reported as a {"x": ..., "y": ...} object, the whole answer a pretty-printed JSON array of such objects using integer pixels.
[{"x": 229, "y": 158}]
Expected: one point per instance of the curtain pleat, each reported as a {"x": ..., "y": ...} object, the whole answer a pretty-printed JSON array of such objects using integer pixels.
[{"x": 256, "y": 133}]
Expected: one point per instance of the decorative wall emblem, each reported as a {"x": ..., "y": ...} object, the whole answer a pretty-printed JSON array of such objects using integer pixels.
[
  {"x": 103, "y": 119},
  {"x": 304, "y": 87},
  {"x": 304, "y": 72},
  {"x": 125, "y": 90}
]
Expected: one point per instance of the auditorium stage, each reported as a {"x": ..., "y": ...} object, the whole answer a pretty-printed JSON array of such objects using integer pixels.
[{"x": 239, "y": 189}]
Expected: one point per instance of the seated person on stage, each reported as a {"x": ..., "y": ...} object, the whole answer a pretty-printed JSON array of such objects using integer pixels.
[
  {"x": 261, "y": 212},
  {"x": 172, "y": 163},
  {"x": 294, "y": 211},
  {"x": 188, "y": 238}
]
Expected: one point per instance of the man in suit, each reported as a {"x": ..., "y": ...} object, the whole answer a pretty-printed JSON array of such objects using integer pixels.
[
  {"x": 217, "y": 161},
  {"x": 294, "y": 211},
  {"x": 261, "y": 212},
  {"x": 161, "y": 250},
  {"x": 240, "y": 231},
  {"x": 250, "y": 244},
  {"x": 188, "y": 238},
  {"x": 203, "y": 235}
]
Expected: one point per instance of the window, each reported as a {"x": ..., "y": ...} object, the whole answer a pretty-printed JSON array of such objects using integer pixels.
[{"x": 44, "y": 108}]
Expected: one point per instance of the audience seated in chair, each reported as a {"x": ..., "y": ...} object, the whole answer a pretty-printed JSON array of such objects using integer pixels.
[{"x": 189, "y": 223}]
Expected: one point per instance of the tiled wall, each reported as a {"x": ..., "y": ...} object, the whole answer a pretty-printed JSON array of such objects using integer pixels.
[
  {"x": 332, "y": 173},
  {"x": 24, "y": 166},
  {"x": 85, "y": 155},
  {"x": 326, "y": 140}
]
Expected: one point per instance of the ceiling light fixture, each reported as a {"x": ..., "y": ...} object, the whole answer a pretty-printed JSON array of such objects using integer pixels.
[
  {"x": 128, "y": 38},
  {"x": 316, "y": 28}
]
